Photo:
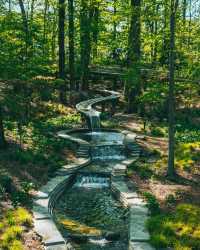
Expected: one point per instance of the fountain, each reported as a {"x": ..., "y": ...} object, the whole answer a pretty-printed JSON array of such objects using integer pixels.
[{"x": 81, "y": 197}]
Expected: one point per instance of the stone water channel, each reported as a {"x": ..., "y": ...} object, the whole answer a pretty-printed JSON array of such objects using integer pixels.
[{"x": 88, "y": 205}]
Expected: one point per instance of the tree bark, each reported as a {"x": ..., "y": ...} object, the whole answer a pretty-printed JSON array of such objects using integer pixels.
[
  {"x": 171, "y": 169},
  {"x": 61, "y": 44},
  {"x": 133, "y": 84},
  {"x": 25, "y": 25},
  {"x": 95, "y": 30},
  {"x": 114, "y": 23},
  {"x": 85, "y": 28},
  {"x": 71, "y": 44},
  {"x": 2, "y": 135}
]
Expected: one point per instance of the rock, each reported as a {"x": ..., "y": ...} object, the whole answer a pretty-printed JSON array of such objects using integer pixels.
[
  {"x": 78, "y": 238},
  {"x": 111, "y": 236}
]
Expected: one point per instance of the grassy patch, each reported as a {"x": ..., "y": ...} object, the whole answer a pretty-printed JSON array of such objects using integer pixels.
[
  {"x": 12, "y": 228},
  {"x": 179, "y": 230},
  {"x": 187, "y": 155}
]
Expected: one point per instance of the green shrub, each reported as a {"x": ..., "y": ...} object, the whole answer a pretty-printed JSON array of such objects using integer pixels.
[
  {"x": 16, "y": 245},
  {"x": 157, "y": 131},
  {"x": 23, "y": 217},
  {"x": 20, "y": 198},
  {"x": 170, "y": 200},
  {"x": 143, "y": 170},
  {"x": 152, "y": 203},
  {"x": 10, "y": 234},
  {"x": 5, "y": 183}
]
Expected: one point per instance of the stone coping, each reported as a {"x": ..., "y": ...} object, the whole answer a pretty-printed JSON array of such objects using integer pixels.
[
  {"x": 44, "y": 203},
  {"x": 86, "y": 107},
  {"x": 138, "y": 234}
]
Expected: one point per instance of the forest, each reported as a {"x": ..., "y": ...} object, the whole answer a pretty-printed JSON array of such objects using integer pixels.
[{"x": 56, "y": 54}]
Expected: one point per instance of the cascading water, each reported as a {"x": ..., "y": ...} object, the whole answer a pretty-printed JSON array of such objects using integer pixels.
[
  {"x": 108, "y": 152},
  {"x": 92, "y": 181},
  {"x": 95, "y": 123},
  {"x": 87, "y": 213}
]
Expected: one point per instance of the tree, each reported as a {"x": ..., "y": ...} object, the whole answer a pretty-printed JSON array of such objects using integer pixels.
[
  {"x": 85, "y": 42},
  {"x": 133, "y": 85},
  {"x": 173, "y": 10},
  {"x": 25, "y": 25},
  {"x": 61, "y": 44},
  {"x": 2, "y": 136},
  {"x": 71, "y": 43}
]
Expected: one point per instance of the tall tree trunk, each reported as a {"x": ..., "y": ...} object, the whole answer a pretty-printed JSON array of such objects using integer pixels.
[
  {"x": 61, "y": 44},
  {"x": 85, "y": 27},
  {"x": 184, "y": 11},
  {"x": 133, "y": 84},
  {"x": 95, "y": 30},
  {"x": 2, "y": 136},
  {"x": 46, "y": 6},
  {"x": 171, "y": 169},
  {"x": 25, "y": 26},
  {"x": 114, "y": 23},
  {"x": 71, "y": 44}
]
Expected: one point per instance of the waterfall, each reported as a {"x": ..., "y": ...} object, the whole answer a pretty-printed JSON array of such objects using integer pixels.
[
  {"x": 108, "y": 152},
  {"x": 92, "y": 181},
  {"x": 95, "y": 123}
]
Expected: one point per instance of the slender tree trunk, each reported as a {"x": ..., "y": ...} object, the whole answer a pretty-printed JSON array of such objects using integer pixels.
[
  {"x": 189, "y": 25},
  {"x": 133, "y": 85},
  {"x": 171, "y": 169},
  {"x": 54, "y": 35},
  {"x": 61, "y": 44},
  {"x": 46, "y": 6},
  {"x": 85, "y": 27},
  {"x": 184, "y": 11},
  {"x": 25, "y": 26},
  {"x": 95, "y": 31},
  {"x": 114, "y": 23},
  {"x": 71, "y": 44},
  {"x": 2, "y": 136}
]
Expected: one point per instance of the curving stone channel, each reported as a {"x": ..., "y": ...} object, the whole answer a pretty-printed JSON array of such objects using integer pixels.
[{"x": 47, "y": 196}]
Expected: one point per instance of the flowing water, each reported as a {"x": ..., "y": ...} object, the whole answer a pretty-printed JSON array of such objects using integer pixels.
[
  {"x": 90, "y": 214},
  {"x": 101, "y": 137},
  {"x": 87, "y": 214}
]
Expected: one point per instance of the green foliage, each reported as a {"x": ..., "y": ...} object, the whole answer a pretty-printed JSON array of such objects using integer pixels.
[
  {"x": 157, "y": 131},
  {"x": 12, "y": 227},
  {"x": 20, "y": 198},
  {"x": 5, "y": 182},
  {"x": 187, "y": 155},
  {"x": 143, "y": 170},
  {"x": 179, "y": 230},
  {"x": 12, "y": 233},
  {"x": 152, "y": 203},
  {"x": 170, "y": 200}
]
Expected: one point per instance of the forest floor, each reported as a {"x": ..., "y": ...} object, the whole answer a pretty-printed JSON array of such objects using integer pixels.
[
  {"x": 174, "y": 204},
  {"x": 27, "y": 164}
]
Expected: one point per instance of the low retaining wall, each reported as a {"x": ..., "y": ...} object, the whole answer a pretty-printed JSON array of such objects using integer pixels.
[
  {"x": 138, "y": 211},
  {"x": 44, "y": 203}
]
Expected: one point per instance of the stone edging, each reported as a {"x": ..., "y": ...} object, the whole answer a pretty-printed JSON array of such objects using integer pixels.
[
  {"x": 44, "y": 203},
  {"x": 138, "y": 211}
]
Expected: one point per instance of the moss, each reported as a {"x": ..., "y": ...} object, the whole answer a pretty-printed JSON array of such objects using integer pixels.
[
  {"x": 179, "y": 230},
  {"x": 76, "y": 227}
]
